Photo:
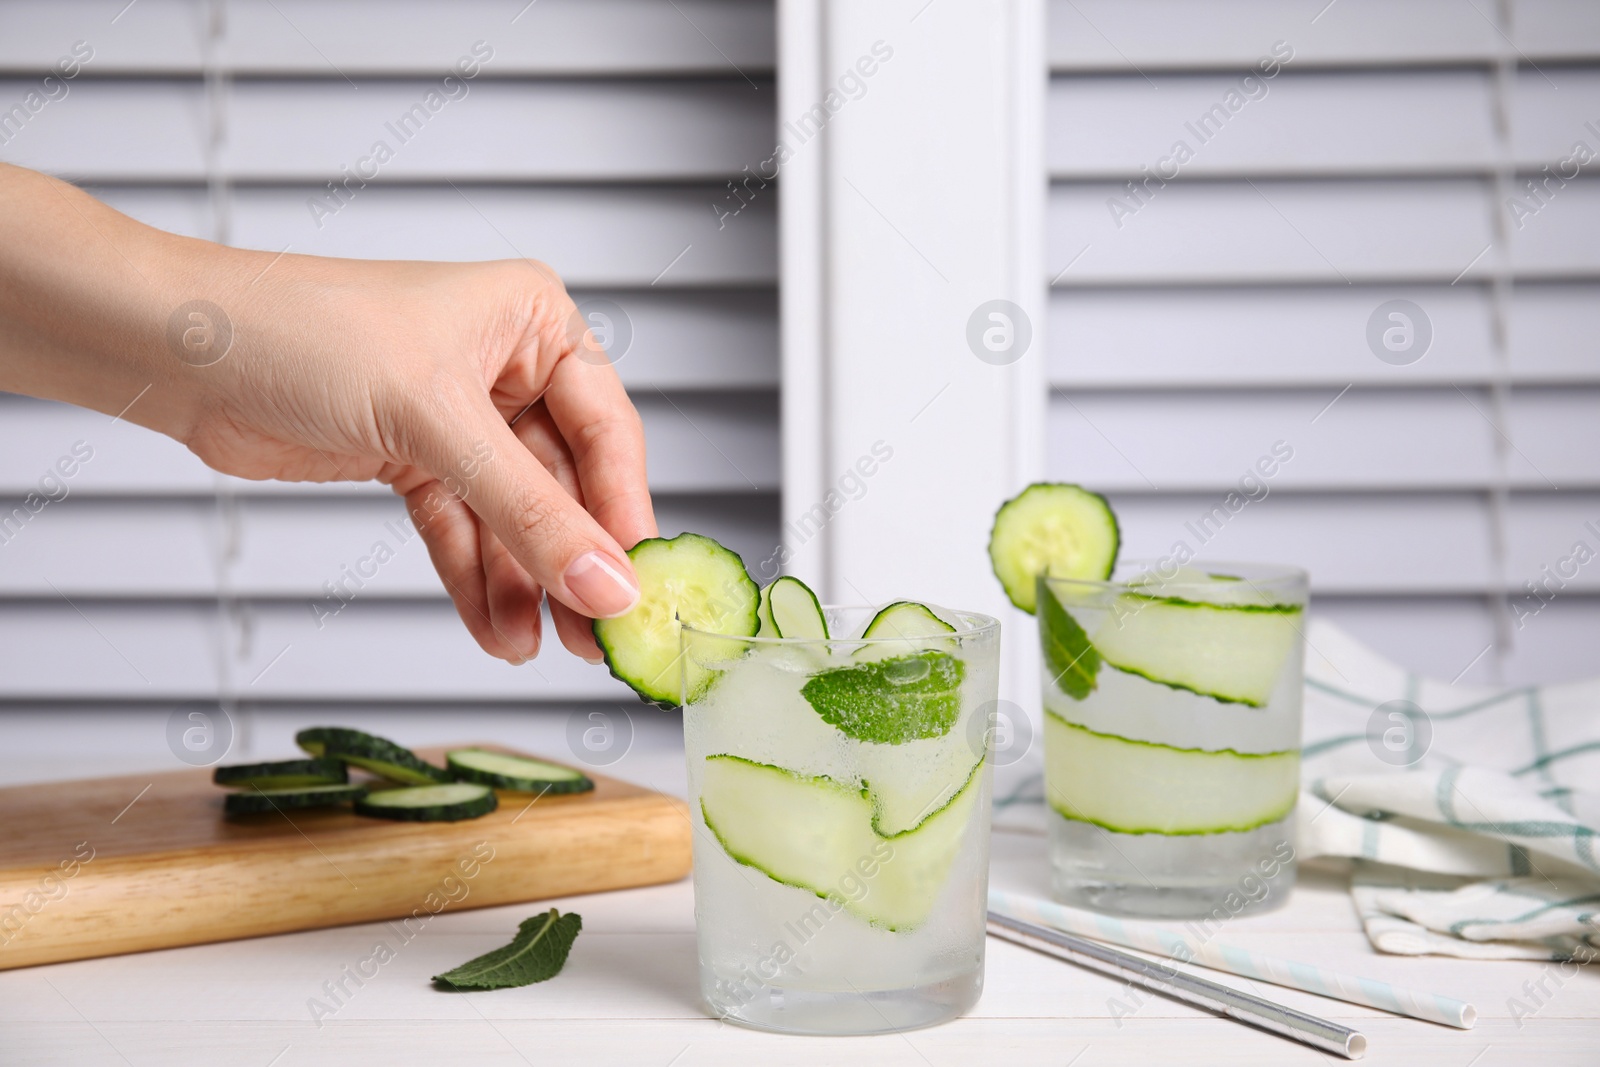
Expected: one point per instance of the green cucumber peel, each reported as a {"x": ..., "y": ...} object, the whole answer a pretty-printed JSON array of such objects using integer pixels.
[
  {"x": 1171, "y": 748},
  {"x": 1184, "y": 602},
  {"x": 816, "y": 834},
  {"x": 877, "y": 813},
  {"x": 1146, "y": 787},
  {"x": 1181, "y": 688},
  {"x": 536, "y": 954}
]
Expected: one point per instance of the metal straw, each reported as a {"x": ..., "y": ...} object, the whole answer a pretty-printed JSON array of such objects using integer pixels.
[
  {"x": 1220, "y": 956},
  {"x": 1164, "y": 978}
]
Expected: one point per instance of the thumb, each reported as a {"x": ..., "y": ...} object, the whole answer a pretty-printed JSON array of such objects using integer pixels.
[{"x": 480, "y": 459}]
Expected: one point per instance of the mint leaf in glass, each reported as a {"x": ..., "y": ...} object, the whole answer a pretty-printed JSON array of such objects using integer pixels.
[
  {"x": 890, "y": 701},
  {"x": 1069, "y": 657}
]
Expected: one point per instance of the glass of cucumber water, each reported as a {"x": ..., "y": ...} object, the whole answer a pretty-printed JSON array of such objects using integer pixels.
[
  {"x": 1172, "y": 710},
  {"x": 839, "y": 789}
]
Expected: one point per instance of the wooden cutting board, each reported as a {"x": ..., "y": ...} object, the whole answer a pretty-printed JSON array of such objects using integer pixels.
[{"x": 113, "y": 865}]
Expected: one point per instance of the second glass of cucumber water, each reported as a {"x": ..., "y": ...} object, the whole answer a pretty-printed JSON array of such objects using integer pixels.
[
  {"x": 1172, "y": 702},
  {"x": 839, "y": 790}
]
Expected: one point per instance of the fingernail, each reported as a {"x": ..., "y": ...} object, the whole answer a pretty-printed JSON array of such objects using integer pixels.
[
  {"x": 605, "y": 591},
  {"x": 594, "y": 662}
]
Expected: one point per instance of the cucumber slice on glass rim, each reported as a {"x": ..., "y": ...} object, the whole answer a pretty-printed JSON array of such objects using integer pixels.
[
  {"x": 1055, "y": 529},
  {"x": 1140, "y": 787},
  {"x": 903, "y": 628},
  {"x": 430, "y": 803},
  {"x": 906, "y": 619},
  {"x": 765, "y": 627},
  {"x": 256, "y": 801},
  {"x": 685, "y": 580},
  {"x": 502, "y": 771},
  {"x": 795, "y": 610}
]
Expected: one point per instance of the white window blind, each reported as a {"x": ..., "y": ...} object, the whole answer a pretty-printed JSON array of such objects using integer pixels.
[
  {"x": 1197, "y": 321},
  {"x": 600, "y": 137}
]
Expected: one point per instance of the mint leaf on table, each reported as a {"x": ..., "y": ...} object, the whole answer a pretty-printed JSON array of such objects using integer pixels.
[
  {"x": 1069, "y": 657},
  {"x": 890, "y": 701},
  {"x": 536, "y": 954}
]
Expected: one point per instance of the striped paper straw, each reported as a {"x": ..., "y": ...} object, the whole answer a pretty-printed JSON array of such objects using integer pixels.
[{"x": 1235, "y": 960}]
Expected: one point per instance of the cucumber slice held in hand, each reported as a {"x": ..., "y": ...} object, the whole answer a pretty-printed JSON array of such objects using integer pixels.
[
  {"x": 795, "y": 611},
  {"x": 688, "y": 580},
  {"x": 256, "y": 801},
  {"x": 430, "y": 803},
  {"x": 282, "y": 774},
  {"x": 1052, "y": 528},
  {"x": 520, "y": 773}
]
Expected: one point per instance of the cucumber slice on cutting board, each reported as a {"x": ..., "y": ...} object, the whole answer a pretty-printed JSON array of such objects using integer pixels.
[
  {"x": 795, "y": 610},
  {"x": 1139, "y": 787},
  {"x": 525, "y": 775},
  {"x": 370, "y": 752},
  {"x": 890, "y": 701},
  {"x": 282, "y": 774},
  {"x": 430, "y": 803},
  {"x": 1230, "y": 652},
  {"x": 688, "y": 579},
  {"x": 815, "y": 833},
  {"x": 1056, "y": 529},
  {"x": 255, "y": 801},
  {"x": 314, "y": 739}
]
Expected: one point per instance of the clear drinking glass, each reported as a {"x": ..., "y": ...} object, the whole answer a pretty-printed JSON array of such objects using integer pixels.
[
  {"x": 840, "y": 796},
  {"x": 1172, "y": 737}
]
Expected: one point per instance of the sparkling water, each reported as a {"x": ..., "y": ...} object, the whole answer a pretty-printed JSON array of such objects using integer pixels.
[
  {"x": 1148, "y": 843},
  {"x": 801, "y": 958}
]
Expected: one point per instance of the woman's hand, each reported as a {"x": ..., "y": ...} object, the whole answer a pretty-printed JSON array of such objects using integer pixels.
[{"x": 474, "y": 390}]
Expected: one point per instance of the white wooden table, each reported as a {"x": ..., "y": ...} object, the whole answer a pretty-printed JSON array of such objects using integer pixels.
[{"x": 629, "y": 994}]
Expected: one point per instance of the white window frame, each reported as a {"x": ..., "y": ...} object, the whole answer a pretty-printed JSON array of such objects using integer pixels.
[{"x": 921, "y": 198}]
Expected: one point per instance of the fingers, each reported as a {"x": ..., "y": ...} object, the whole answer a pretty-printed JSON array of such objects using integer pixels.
[
  {"x": 599, "y": 423},
  {"x": 513, "y": 597},
  {"x": 576, "y": 632},
  {"x": 559, "y": 544},
  {"x": 538, "y": 431},
  {"x": 450, "y": 530}
]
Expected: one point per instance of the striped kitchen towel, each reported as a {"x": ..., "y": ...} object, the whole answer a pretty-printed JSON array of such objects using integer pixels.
[{"x": 1471, "y": 813}]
